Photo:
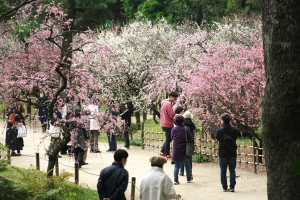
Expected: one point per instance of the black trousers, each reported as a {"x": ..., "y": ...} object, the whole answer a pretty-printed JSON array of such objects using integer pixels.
[{"x": 166, "y": 147}]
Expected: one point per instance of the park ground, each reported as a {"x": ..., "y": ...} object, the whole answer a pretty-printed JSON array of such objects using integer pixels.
[{"x": 206, "y": 183}]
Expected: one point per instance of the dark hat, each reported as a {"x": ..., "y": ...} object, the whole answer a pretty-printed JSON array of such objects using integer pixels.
[{"x": 158, "y": 160}]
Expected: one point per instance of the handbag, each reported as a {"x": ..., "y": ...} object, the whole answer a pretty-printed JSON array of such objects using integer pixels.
[
  {"x": 54, "y": 131},
  {"x": 22, "y": 131},
  {"x": 189, "y": 148}
]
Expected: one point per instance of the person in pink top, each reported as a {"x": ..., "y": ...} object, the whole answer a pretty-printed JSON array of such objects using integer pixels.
[{"x": 166, "y": 121}]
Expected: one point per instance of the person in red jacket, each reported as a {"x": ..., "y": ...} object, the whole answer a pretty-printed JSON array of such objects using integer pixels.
[{"x": 166, "y": 121}]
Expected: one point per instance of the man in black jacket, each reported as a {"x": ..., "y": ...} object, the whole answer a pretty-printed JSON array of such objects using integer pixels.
[
  {"x": 113, "y": 180},
  {"x": 227, "y": 156}
]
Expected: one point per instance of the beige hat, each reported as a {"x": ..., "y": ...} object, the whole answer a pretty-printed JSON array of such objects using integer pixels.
[
  {"x": 187, "y": 114},
  {"x": 158, "y": 160}
]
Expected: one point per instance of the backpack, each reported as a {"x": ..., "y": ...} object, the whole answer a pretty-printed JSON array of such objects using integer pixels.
[{"x": 230, "y": 143}]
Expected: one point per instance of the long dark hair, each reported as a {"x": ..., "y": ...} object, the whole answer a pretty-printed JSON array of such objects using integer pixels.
[{"x": 129, "y": 105}]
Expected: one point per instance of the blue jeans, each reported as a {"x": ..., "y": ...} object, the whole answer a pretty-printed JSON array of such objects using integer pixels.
[
  {"x": 112, "y": 142},
  {"x": 186, "y": 163},
  {"x": 231, "y": 163},
  {"x": 182, "y": 166}
]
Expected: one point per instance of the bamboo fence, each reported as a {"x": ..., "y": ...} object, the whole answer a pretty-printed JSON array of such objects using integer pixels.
[{"x": 249, "y": 154}]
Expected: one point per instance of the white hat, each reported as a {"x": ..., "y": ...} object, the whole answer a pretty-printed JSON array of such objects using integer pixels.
[{"x": 187, "y": 114}]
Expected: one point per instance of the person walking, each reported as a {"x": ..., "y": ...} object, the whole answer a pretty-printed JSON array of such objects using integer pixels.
[
  {"x": 113, "y": 180},
  {"x": 111, "y": 118},
  {"x": 126, "y": 116},
  {"x": 227, "y": 156},
  {"x": 157, "y": 184},
  {"x": 180, "y": 135},
  {"x": 166, "y": 121}
]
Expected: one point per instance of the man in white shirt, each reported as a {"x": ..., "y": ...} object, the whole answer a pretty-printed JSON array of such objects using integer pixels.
[{"x": 157, "y": 185}]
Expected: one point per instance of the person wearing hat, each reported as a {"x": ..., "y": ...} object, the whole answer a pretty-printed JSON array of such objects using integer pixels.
[
  {"x": 156, "y": 184},
  {"x": 189, "y": 123}
]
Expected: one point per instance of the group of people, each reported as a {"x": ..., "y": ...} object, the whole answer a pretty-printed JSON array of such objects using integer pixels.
[
  {"x": 180, "y": 129},
  {"x": 177, "y": 125},
  {"x": 84, "y": 134},
  {"x": 156, "y": 185}
]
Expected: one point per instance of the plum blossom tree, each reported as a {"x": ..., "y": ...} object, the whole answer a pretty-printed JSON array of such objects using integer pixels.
[
  {"x": 238, "y": 29},
  {"x": 141, "y": 46},
  {"x": 230, "y": 78},
  {"x": 218, "y": 73},
  {"x": 52, "y": 61}
]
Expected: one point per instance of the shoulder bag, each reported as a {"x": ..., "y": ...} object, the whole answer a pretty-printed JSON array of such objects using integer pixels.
[{"x": 189, "y": 145}]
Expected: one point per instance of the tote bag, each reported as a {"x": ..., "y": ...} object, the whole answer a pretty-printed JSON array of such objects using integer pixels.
[
  {"x": 54, "y": 131},
  {"x": 189, "y": 146},
  {"x": 22, "y": 131}
]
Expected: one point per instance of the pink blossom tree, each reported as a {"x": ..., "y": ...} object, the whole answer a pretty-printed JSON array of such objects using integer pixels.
[
  {"x": 53, "y": 59},
  {"x": 218, "y": 71},
  {"x": 229, "y": 78}
]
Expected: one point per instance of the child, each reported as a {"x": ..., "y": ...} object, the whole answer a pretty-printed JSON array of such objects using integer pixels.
[{"x": 189, "y": 123}]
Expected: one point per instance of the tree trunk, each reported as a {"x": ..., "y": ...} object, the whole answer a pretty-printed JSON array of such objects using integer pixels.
[
  {"x": 138, "y": 119},
  {"x": 155, "y": 112},
  {"x": 28, "y": 110},
  {"x": 144, "y": 117},
  {"x": 281, "y": 108},
  {"x": 66, "y": 56},
  {"x": 57, "y": 147}
]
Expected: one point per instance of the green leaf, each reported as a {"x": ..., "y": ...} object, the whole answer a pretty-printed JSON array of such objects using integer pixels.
[{"x": 296, "y": 167}]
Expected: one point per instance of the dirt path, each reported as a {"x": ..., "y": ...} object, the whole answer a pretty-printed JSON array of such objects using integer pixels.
[{"x": 206, "y": 184}]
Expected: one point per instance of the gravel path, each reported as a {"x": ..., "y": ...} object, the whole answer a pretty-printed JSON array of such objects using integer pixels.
[{"x": 206, "y": 183}]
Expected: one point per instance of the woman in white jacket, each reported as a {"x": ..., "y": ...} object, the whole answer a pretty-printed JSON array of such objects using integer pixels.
[{"x": 94, "y": 126}]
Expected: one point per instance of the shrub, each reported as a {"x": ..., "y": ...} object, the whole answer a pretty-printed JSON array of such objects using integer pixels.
[
  {"x": 4, "y": 151},
  {"x": 199, "y": 158}
]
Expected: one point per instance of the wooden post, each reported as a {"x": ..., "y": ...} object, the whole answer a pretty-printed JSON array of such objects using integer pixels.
[
  {"x": 245, "y": 153},
  {"x": 37, "y": 160},
  {"x": 76, "y": 173},
  {"x": 132, "y": 188},
  {"x": 254, "y": 153},
  {"x": 56, "y": 167},
  {"x": 238, "y": 151},
  {"x": 143, "y": 127}
]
